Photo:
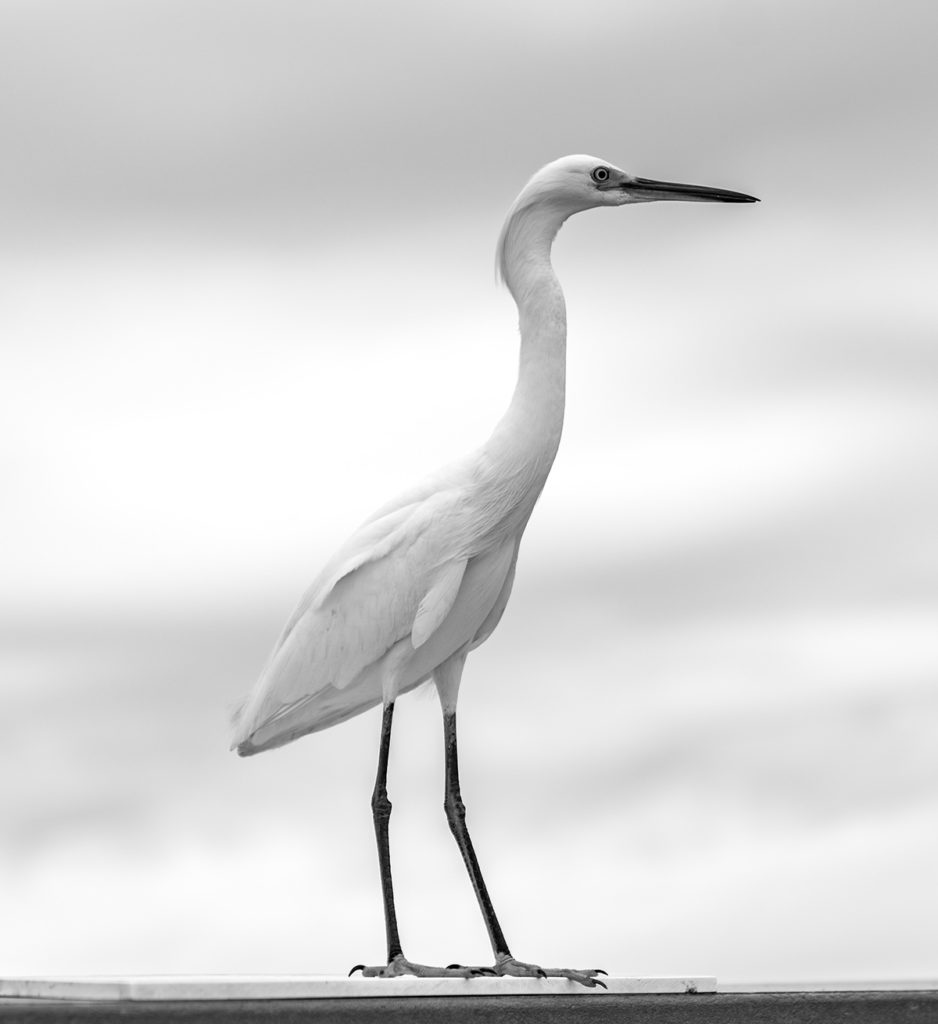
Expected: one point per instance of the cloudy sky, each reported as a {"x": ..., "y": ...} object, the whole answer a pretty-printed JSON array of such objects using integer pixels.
[{"x": 248, "y": 294}]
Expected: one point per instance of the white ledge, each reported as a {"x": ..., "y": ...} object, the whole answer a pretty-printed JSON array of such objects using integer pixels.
[
  {"x": 890, "y": 985},
  {"x": 218, "y": 987}
]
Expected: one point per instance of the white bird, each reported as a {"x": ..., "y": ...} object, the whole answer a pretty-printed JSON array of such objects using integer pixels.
[{"x": 425, "y": 580}]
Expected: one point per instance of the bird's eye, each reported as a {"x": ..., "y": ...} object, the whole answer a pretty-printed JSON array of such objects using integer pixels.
[{"x": 600, "y": 174}]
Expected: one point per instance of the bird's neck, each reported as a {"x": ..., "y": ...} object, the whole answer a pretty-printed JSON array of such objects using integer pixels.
[{"x": 533, "y": 423}]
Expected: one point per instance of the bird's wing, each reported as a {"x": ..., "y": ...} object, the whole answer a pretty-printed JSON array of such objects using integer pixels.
[
  {"x": 373, "y": 539},
  {"x": 397, "y": 576},
  {"x": 438, "y": 601},
  {"x": 377, "y": 536}
]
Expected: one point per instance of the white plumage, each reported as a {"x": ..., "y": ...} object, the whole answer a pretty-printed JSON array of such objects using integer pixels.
[
  {"x": 423, "y": 578},
  {"x": 427, "y": 577}
]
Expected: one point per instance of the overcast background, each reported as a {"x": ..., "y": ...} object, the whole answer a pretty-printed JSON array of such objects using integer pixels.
[{"x": 247, "y": 294}]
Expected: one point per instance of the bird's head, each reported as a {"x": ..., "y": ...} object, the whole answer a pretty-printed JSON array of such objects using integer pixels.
[{"x": 575, "y": 183}]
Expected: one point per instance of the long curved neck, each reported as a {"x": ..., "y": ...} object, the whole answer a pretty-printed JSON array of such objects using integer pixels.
[{"x": 532, "y": 425}]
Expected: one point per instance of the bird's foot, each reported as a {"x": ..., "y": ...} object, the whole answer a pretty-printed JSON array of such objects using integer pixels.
[
  {"x": 518, "y": 969},
  {"x": 399, "y": 966}
]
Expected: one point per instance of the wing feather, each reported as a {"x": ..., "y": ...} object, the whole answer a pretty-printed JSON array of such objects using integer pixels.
[
  {"x": 373, "y": 541},
  {"x": 438, "y": 601},
  {"x": 365, "y": 601}
]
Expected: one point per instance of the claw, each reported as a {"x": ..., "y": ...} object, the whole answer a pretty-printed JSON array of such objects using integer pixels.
[
  {"x": 400, "y": 965},
  {"x": 541, "y": 973},
  {"x": 599, "y": 970},
  {"x": 601, "y": 984},
  {"x": 485, "y": 972}
]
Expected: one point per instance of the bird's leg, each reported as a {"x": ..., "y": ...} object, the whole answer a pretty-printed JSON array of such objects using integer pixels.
[
  {"x": 505, "y": 963},
  {"x": 456, "y": 816},
  {"x": 397, "y": 963},
  {"x": 381, "y": 811}
]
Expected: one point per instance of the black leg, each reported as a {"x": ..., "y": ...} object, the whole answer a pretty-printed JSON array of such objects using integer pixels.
[
  {"x": 381, "y": 810},
  {"x": 397, "y": 963},
  {"x": 456, "y": 816}
]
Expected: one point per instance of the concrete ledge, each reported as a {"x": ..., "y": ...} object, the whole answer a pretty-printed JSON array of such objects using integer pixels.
[{"x": 156, "y": 988}]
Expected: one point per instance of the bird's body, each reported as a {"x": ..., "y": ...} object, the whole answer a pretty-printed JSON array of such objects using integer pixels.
[
  {"x": 418, "y": 582},
  {"x": 427, "y": 577}
]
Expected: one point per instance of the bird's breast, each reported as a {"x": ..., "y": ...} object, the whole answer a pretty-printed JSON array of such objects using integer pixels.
[{"x": 482, "y": 585}]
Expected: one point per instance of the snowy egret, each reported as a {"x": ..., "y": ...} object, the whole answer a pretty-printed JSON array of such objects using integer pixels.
[{"x": 425, "y": 580}]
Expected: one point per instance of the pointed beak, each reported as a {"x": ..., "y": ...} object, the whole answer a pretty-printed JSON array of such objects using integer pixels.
[{"x": 648, "y": 190}]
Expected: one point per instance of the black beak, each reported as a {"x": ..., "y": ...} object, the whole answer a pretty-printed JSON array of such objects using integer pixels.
[{"x": 648, "y": 189}]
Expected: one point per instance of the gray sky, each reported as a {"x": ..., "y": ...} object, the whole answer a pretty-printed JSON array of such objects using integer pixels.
[
  {"x": 248, "y": 295},
  {"x": 228, "y": 111}
]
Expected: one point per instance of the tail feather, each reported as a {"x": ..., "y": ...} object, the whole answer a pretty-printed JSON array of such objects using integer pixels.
[
  {"x": 296, "y": 724},
  {"x": 323, "y": 709}
]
